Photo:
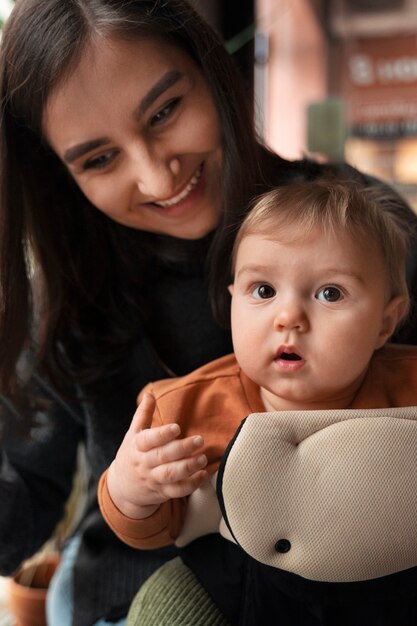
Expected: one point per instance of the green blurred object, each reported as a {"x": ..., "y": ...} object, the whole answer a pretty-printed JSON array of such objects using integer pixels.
[
  {"x": 5, "y": 9},
  {"x": 326, "y": 128},
  {"x": 238, "y": 41},
  {"x": 172, "y": 596}
]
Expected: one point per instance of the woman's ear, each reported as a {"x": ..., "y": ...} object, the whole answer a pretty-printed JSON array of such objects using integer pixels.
[
  {"x": 230, "y": 289},
  {"x": 394, "y": 312}
]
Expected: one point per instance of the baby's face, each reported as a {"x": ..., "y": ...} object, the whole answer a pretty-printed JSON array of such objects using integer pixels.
[{"x": 307, "y": 316}]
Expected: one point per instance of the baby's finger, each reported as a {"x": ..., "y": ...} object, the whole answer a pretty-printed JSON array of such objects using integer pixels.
[
  {"x": 156, "y": 438},
  {"x": 172, "y": 450},
  {"x": 186, "y": 487},
  {"x": 143, "y": 415},
  {"x": 179, "y": 471}
]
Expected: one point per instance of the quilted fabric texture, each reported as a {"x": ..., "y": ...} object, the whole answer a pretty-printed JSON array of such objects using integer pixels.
[
  {"x": 203, "y": 515},
  {"x": 328, "y": 495}
]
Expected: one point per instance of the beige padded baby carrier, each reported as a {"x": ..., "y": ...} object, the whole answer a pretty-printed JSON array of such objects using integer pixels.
[{"x": 328, "y": 495}]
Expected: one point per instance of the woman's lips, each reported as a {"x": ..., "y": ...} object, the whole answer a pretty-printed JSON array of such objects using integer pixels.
[
  {"x": 192, "y": 183},
  {"x": 173, "y": 208}
]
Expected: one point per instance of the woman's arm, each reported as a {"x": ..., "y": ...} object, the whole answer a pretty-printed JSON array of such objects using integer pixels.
[{"x": 36, "y": 475}]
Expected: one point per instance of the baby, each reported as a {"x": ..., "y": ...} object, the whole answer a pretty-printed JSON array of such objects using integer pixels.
[{"x": 319, "y": 288}]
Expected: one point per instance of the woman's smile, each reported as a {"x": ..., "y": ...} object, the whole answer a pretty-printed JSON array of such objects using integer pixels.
[
  {"x": 153, "y": 162},
  {"x": 185, "y": 193}
]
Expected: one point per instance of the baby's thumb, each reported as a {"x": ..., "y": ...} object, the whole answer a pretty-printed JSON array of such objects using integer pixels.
[{"x": 143, "y": 415}]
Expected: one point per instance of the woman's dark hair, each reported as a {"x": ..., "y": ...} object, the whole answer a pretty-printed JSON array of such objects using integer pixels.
[{"x": 47, "y": 227}]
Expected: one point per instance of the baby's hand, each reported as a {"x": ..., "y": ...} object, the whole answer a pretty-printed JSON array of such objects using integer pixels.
[{"x": 152, "y": 465}]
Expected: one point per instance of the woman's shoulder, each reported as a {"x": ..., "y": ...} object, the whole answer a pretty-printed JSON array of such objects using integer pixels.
[{"x": 278, "y": 170}]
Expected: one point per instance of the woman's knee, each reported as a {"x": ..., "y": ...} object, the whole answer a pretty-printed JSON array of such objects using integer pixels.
[{"x": 59, "y": 600}]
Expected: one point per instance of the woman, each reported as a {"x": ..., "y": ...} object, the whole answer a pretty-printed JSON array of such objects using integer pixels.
[{"x": 127, "y": 152}]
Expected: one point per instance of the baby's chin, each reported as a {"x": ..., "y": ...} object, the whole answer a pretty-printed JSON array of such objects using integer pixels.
[{"x": 296, "y": 400}]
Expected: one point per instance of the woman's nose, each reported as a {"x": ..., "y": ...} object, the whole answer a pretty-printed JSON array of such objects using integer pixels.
[
  {"x": 291, "y": 315},
  {"x": 156, "y": 176}
]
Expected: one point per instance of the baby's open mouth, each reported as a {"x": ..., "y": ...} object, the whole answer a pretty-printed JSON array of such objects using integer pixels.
[
  {"x": 289, "y": 356},
  {"x": 287, "y": 359}
]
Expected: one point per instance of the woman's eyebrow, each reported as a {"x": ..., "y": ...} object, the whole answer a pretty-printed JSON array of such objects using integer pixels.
[
  {"x": 75, "y": 152},
  {"x": 165, "y": 82}
]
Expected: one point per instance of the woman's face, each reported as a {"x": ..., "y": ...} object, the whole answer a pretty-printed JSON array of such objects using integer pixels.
[{"x": 137, "y": 128}]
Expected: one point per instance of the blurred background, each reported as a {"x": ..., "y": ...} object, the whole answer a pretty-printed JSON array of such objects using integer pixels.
[{"x": 330, "y": 78}]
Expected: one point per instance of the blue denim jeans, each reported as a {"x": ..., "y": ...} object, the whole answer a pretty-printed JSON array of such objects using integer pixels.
[{"x": 59, "y": 601}]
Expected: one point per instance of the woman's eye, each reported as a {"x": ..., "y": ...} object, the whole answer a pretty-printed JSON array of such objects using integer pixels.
[
  {"x": 329, "y": 294},
  {"x": 100, "y": 161},
  {"x": 263, "y": 292},
  {"x": 165, "y": 112}
]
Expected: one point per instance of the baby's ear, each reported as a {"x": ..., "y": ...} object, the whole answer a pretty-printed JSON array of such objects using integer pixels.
[
  {"x": 394, "y": 312},
  {"x": 230, "y": 289}
]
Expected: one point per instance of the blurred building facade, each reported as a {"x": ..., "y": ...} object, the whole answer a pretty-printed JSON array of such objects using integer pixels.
[
  {"x": 331, "y": 78},
  {"x": 338, "y": 79}
]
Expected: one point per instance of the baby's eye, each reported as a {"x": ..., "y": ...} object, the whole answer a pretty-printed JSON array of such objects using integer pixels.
[
  {"x": 100, "y": 161},
  {"x": 165, "y": 112},
  {"x": 329, "y": 294},
  {"x": 263, "y": 292}
]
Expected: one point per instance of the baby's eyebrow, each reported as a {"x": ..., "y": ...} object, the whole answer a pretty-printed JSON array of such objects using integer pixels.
[
  {"x": 251, "y": 269},
  {"x": 343, "y": 272}
]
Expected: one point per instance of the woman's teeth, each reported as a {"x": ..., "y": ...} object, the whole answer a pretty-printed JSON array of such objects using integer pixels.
[{"x": 184, "y": 193}]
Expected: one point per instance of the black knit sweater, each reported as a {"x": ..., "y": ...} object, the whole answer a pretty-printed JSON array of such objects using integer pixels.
[{"x": 36, "y": 474}]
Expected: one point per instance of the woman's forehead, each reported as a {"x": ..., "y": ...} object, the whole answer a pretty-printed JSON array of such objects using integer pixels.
[{"x": 116, "y": 74}]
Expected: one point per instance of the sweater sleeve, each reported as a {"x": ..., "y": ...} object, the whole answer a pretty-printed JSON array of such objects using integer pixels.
[
  {"x": 36, "y": 474},
  {"x": 208, "y": 402},
  {"x": 158, "y": 530}
]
